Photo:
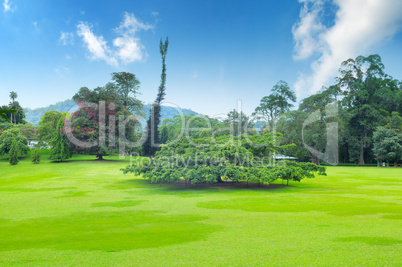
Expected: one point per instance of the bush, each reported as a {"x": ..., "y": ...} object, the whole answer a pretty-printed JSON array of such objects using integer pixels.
[
  {"x": 14, "y": 153},
  {"x": 35, "y": 156}
]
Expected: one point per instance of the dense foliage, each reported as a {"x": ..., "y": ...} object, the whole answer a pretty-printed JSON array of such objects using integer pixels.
[
  {"x": 14, "y": 153},
  {"x": 212, "y": 160},
  {"x": 36, "y": 156},
  {"x": 48, "y": 124},
  {"x": 8, "y": 137},
  {"x": 388, "y": 140},
  {"x": 95, "y": 128},
  {"x": 366, "y": 98},
  {"x": 60, "y": 150},
  {"x": 12, "y": 112}
]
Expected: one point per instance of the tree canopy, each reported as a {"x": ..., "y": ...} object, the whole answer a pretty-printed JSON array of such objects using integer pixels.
[
  {"x": 213, "y": 160},
  {"x": 48, "y": 124},
  {"x": 278, "y": 102},
  {"x": 8, "y": 137},
  {"x": 102, "y": 125},
  {"x": 60, "y": 150}
]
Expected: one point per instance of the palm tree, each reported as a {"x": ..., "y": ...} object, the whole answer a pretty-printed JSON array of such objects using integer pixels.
[
  {"x": 13, "y": 96},
  {"x": 3, "y": 113}
]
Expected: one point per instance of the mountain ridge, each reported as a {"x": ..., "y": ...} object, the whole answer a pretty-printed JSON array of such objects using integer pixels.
[{"x": 69, "y": 105}]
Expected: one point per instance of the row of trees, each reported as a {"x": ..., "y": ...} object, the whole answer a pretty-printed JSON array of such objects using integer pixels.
[
  {"x": 367, "y": 100},
  {"x": 110, "y": 106},
  {"x": 13, "y": 112},
  {"x": 368, "y": 117}
]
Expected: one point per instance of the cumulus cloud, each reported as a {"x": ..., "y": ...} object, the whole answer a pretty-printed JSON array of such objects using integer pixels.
[
  {"x": 359, "y": 25},
  {"x": 126, "y": 48},
  {"x": 8, "y": 6},
  {"x": 96, "y": 45},
  {"x": 66, "y": 38},
  {"x": 306, "y": 31},
  {"x": 129, "y": 47}
]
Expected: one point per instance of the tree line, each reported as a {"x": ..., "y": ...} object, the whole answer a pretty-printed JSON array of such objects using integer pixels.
[{"x": 368, "y": 118}]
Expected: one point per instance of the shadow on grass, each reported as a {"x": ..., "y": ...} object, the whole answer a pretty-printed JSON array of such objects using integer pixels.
[
  {"x": 88, "y": 160},
  {"x": 118, "y": 204},
  {"x": 104, "y": 231},
  {"x": 185, "y": 185}
]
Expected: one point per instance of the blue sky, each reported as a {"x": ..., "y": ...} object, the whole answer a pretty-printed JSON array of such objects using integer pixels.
[{"x": 219, "y": 51}]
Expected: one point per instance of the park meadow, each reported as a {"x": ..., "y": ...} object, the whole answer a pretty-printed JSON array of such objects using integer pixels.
[{"x": 85, "y": 212}]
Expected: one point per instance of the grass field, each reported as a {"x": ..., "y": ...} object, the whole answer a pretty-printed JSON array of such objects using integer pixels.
[{"x": 86, "y": 212}]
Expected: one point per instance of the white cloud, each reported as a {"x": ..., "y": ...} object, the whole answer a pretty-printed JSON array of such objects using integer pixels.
[
  {"x": 126, "y": 48},
  {"x": 95, "y": 44},
  {"x": 131, "y": 24},
  {"x": 8, "y": 6},
  {"x": 306, "y": 31},
  {"x": 359, "y": 25},
  {"x": 66, "y": 38},
  {"x": 129, "y": 48}
]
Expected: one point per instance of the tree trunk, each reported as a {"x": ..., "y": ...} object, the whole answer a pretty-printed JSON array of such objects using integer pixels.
[
  {"x": 314, "y": 159},
  {"x": 287, "y": 182},
  {"x": 396, "y": 163},
  {"x": 361, "y": 160}
]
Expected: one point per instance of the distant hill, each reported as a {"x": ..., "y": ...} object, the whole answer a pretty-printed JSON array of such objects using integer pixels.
[{"x": 34, "y": 115}]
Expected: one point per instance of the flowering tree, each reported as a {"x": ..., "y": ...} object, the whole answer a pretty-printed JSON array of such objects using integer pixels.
[{"x": 102, "y": 123}]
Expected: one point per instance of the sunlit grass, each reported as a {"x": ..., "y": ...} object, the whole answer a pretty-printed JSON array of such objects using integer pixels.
[{"x": 86, "y": 212}]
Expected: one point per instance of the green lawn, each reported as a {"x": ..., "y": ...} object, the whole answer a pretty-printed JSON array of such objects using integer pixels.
[{"x": 86, "y": 212}]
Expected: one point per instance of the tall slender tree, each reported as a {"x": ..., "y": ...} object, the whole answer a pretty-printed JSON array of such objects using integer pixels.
[
  {"x": 150, "y": 145},
  {"x": 13, "y": 96}
]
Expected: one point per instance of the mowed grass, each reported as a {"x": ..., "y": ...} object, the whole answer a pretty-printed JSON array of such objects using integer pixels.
[{"x": 86, "y": 212}]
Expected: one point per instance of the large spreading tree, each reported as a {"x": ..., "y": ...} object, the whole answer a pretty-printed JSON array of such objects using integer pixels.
[
  {"x": 103, "y": 124},
  {"x": 214, "y": 160}
]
